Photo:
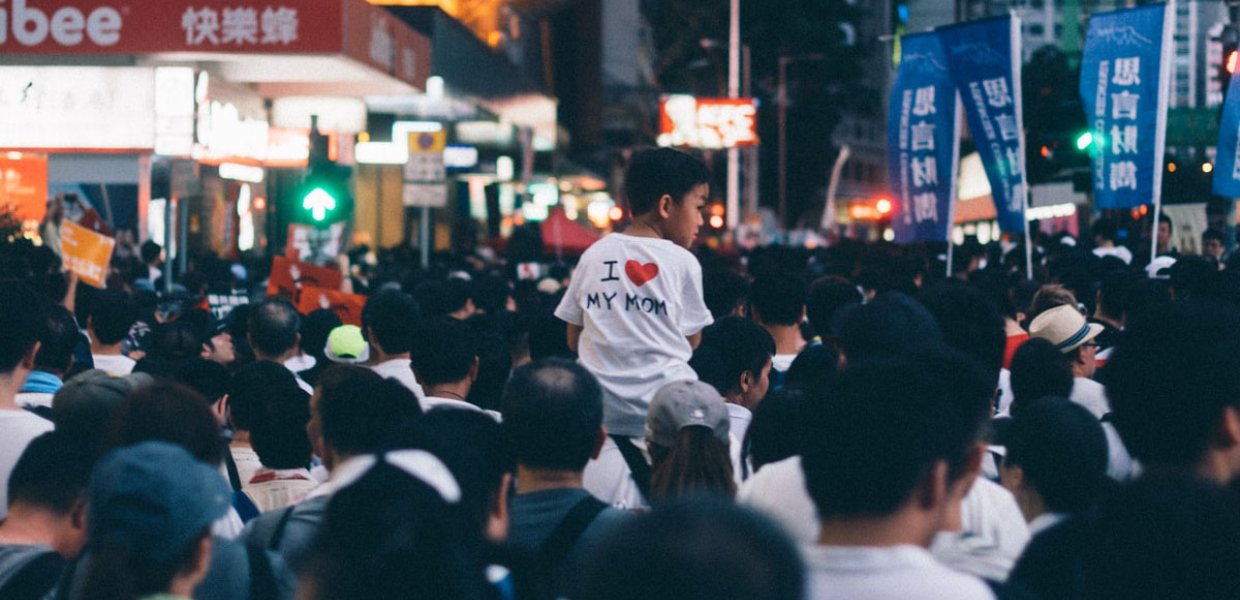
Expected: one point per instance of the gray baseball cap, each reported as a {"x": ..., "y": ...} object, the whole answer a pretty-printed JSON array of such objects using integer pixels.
[{"x": 683, "y": 404}]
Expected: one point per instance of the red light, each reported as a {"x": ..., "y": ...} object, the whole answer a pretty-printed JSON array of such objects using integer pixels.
[
  {"x": 260, "y": 203},
  {"x": 616, "y": 213},
  {"x": 883, "y": 206},
  {"x": 716, "y": 222},
  {"x": 1045, "y": 152},
  {"x": 1232, "y": 57}
]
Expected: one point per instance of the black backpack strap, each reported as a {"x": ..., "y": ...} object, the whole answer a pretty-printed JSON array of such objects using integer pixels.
[
  {"x": 555, "y": 548},
  {"x": 234, "y": 476},
  {"x": 277, "y": 535},
  {"x": 35, "y": 579},
  {"x": 262, "y": 577},
  {"x": 637, "y": 463}
]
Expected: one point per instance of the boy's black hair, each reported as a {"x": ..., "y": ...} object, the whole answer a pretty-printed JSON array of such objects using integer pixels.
[
  {"x": 724, "y": 291},
  {"x": 1113, "y": 291},
  {"x": 827, "y": 295},
  {"x": 248, "y": 389},
  {"x": 440, "y": 298},
  {"x": 59, "y": 340},
  {"x": 553, "y": 410},
  {"x": 1062, "y": 450},
  {"x": 731, "y": 347},
  {"x": 969, "y": 321},
  {"x": 778, "y": 427},
  {"x": 889, "y": 325},
  {"x": 173, "y": 413},
  {"x": 1105, "y": 229},
  {"x": 361, "y": 412},
  {"x": 658, "y": 172},
  {"x": 1038, "y": 370},
  {"x": 209, "y": 378},
  {"x": 1213, "y": 234},
  {"x": 778, "y": 298}
]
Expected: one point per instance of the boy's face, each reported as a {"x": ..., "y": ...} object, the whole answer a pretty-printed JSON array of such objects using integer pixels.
[{"x": 683, "y": 218}]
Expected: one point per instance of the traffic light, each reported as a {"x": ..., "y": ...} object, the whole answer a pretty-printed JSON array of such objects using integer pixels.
[
  {"x": 1230, "y": 38},
  {"x": 323, "y": 197}
]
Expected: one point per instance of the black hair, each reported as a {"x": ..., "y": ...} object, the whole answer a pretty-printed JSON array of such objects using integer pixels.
[
  {"x": 1113, "y": 292},
  {"x": 273, "y": 325},
  {"x": 778, "y": 298},
  {"x": 655, "y": 173},
  {"x": 59, "y": 340},
  {"x": 392, "y": 317},
  {"x": 889, "y": 422},
  {"x": 440, "y": 298},
  {"x": 827, "y": 295},
  {"x": 695, "y": 550},
  {"x": 1038, "y": 370},
  {"x": 112, "y": 313},
  {"x": 491, "y": 294},
  {"x": 1062, "y": 450},
  {"x": 390, "y": 534},
  {"x": 494, "y": 364},
  {"x": 1193, "y": 275},
  {"x": 731, "y": 347},
  {"x": 361, "y": 412},
  {"x": 169, "y": 412},
  {"x": 278, "y": 433},
  {"x": 814, "y": 370},
  {"x": 445, "y": 351},
  {"x": 472, "y": 445},
  {"x": 553, "y": 411},
  {"x": 1170, "y": 377},
  {"x": 175, "y": 341},
  {"x": 777, "y": 430},
  {"x": 1163, "y": 218},
  {"x": 970, "y": 322},
  {"x": 52, "y": 472},
  {"x": 150, "y": 251},
  {"x": 549, "y": 337},
  {"x": 1168, "y": 535},
  {"x": 889, "y": 325},
  {"x": 315, "y": 328},
  {"x": 248, "y": 390},
  {"x": 724, "y": 291},
  {"x": 209, "y": 378},
  {"x": 1105, "y": 229}
]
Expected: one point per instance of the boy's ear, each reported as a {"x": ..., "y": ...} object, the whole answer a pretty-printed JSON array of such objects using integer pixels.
[{"x": 664, "y": 205}]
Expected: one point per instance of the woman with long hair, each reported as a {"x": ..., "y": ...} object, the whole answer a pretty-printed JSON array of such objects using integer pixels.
[{"x": 687, "y": 436}]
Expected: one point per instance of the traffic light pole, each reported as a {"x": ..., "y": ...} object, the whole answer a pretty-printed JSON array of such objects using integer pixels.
[{"x": 424, "y": 237}]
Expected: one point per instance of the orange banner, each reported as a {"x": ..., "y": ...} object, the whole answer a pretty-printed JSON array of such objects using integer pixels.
[
  {"x": 23, "y": 184},
  {"x": 86, "y": 253},
  {"x": 346, "y": 306},
  {"x": 289, "y": 276}
]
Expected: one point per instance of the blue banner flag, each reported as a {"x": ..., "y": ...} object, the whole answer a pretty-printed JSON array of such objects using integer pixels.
[
  {"x": 1124, "y": 84},
  {"x": 1226, "y": 167},
  {"x": 984, "y": 57},
  {"x": 923, "y": 141}
]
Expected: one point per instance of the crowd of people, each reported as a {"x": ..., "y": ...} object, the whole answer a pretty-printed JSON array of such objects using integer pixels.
[{"x": 654, "y": 421}]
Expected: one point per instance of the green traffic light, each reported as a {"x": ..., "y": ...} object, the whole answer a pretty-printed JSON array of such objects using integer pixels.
[
  {"x": 1084, "y": 140},
  {"x": 318, "y": 202}
]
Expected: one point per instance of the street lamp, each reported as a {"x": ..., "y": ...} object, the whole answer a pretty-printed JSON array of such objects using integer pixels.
[{"x": 782, "y": 101}]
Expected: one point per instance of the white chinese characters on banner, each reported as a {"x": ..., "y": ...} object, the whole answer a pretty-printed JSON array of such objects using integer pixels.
[
  {"x": 240, "y": 25},
  {"x": 1122, "y": 173},
  {"x": 919, "y": 103}
]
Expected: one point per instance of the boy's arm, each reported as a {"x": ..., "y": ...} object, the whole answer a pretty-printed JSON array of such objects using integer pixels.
[
  {"x": 694, "y": 339},
  {"x": 574, "y": 335}
]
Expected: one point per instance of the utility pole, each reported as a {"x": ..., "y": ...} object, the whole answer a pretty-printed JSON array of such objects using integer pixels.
[
  {"x": 782, "y": 102},
  {"x": 734, "y": 90}
]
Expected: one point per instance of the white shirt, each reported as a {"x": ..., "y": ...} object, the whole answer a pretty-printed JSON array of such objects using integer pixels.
[
  {"x": 739, "y": 418},
  {"x": 272, "y": 489},
  {"x": 636, "y": 300},
  {"x": 296, "y": 364},
  {"x": 778, "y": 489},
  {"x": 1090, "y": 394},
  {"x": 782, "y": 362},
  {"x": 994, "y": 533},
  {"x": 897, "y": 572},
  {"x": 116, "y": 365},
  {"x": 400, "y": 370},
  {"x": 34, "y": 399},
  {"x": 430, "y": 402},
  {"x": 17, "y": 429},
  {"x": 1045, "y": 521},
  {"x": 609, "y": 478},
  {"x": 1119, "y": 252}
]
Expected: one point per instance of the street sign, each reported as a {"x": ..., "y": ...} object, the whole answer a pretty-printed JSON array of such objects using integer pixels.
[{"x": 432, "y": 195}]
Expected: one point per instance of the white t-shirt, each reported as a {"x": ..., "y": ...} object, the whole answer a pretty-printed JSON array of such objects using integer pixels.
[
  {"x": 430, "y": 402},
  {"x": 399, "y": 369},
  {"x": 782, "y": 362},
  {"x": 994, "y": 533},
  {"x": 896, "y": 572},
  {"x": 116, "y": 365},
  {"x": 778, "y": 489},
  {"x": 1090, "y": 394},
  {"x": 34, "y": 399},
  {"x": 636, "y": 300},
  {"x": 17, "y": 428},
  {"x": 739, "y": 419}
]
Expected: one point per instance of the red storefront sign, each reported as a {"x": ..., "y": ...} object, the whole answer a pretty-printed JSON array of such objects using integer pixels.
[
  {"x": 353, "y": 27},
  {"x": 710, "y": 123}
]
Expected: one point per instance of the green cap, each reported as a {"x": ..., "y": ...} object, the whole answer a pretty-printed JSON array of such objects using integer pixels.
[{"x": 345, "y": 344}]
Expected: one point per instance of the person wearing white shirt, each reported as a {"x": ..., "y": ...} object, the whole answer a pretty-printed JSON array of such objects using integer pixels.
[
  {"x": 111, "y": 315},
  {"x": 1104, "y": 231},
  {"x": 893, "y": 452},
  {"x": 390, "y": 319},
  {"x": 445, "y": 360},
  {"x": 777, "y": 303},
  {"x": 19, "y": 343},
  {"x": 274, "y": 335},
  {"x": 735, "y": 358}
]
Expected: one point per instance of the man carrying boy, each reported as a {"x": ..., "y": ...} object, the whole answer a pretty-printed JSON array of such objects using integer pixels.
[{"x": 635, "y": 309}]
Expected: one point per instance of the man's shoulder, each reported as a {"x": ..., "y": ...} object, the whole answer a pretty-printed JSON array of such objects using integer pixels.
[{"x": 881, "y": 573}]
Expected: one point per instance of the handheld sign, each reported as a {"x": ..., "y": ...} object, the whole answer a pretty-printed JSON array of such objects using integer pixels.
[{"x": 86, "y": 253}]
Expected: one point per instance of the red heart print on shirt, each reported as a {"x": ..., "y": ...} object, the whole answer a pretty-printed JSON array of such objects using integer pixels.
[{"x": 639, "y": 273}]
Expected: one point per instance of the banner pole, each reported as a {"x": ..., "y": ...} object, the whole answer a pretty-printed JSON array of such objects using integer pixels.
[{"x": 1160, "y": 130}]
